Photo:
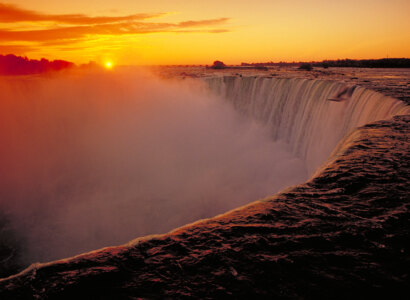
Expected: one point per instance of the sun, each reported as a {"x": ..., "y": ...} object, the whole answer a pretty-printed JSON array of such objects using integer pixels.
[{"x": 108, "y": 64}]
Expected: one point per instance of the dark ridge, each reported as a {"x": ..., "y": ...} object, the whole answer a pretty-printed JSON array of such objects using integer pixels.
[
  {"x": 10, "y": 248},
  {"x": 344, "y": 234},
  {"x": 366, "y": 63},
  {"x": 342, "y": 63},
  {"x": 17, "y": 65}
]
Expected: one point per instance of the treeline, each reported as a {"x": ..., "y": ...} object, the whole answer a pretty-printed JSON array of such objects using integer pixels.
[
  {"x": 271, "y": 64},
  {"x": 366, "y": 63},
  {"x": 346, "y": 63},
  {"x": 17, "y": 65}
]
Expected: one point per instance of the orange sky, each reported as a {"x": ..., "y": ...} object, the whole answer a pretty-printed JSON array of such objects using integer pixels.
[{"x": 198, "y": 32}]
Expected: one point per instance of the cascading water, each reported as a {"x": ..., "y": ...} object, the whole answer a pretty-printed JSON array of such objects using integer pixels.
[
  {"x": 300, "y": 111},
  {"x": 345, "y": 227}
]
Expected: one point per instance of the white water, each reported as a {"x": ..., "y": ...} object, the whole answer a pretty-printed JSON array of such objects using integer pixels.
[{"x": 298, "y": 111}]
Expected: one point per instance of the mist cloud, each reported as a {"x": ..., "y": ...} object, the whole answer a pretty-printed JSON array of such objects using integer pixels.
[{"x": 97, "y": 159}]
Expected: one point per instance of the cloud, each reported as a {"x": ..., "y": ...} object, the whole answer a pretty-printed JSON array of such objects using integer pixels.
[
  {"x": 202, "y": 31},
  {"x": 16, "y": 49},
  {"x": 74, "y": 27},
  {"x": 11, "y": 13},
  {"x": 77, "y": 32},
  {"x": 211, "y": 22}
]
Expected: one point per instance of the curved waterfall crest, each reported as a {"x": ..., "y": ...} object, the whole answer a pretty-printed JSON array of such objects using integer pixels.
[{"x": 300, "y": 111}]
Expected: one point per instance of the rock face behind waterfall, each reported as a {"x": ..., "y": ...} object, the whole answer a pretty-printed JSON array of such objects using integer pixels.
[{"x": 343, "y": 234}]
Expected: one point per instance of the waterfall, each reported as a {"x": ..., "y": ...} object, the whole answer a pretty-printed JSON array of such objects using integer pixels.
[{"x": 300, "y": 113}]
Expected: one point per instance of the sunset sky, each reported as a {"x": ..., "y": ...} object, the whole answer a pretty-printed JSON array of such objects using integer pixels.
[{"x": 133, "y": 32}]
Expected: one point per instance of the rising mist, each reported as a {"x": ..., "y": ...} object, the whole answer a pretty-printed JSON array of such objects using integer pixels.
[{"x": 95, "y": 159}]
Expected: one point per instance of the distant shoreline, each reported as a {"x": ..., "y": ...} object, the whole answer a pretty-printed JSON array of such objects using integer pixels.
[{"x": 344, "y": 63}]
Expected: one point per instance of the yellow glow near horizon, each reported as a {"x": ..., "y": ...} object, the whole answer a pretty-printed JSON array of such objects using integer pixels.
[
  {"x": 108, "y": 65},
  {"x": 197, "y": 32}
]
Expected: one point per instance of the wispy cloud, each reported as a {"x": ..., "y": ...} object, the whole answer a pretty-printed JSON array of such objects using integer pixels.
[
  {"x": 212, "y": 22},
  {"x": 72, "y": 28},
  {"x": 16, "y": 49},
  {"x": 202, "y": 31},
  {"x": 11, "y": 13}
]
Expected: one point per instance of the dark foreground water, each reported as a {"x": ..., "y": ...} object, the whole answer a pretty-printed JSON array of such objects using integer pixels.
[{"x": 343, "y": 234}]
